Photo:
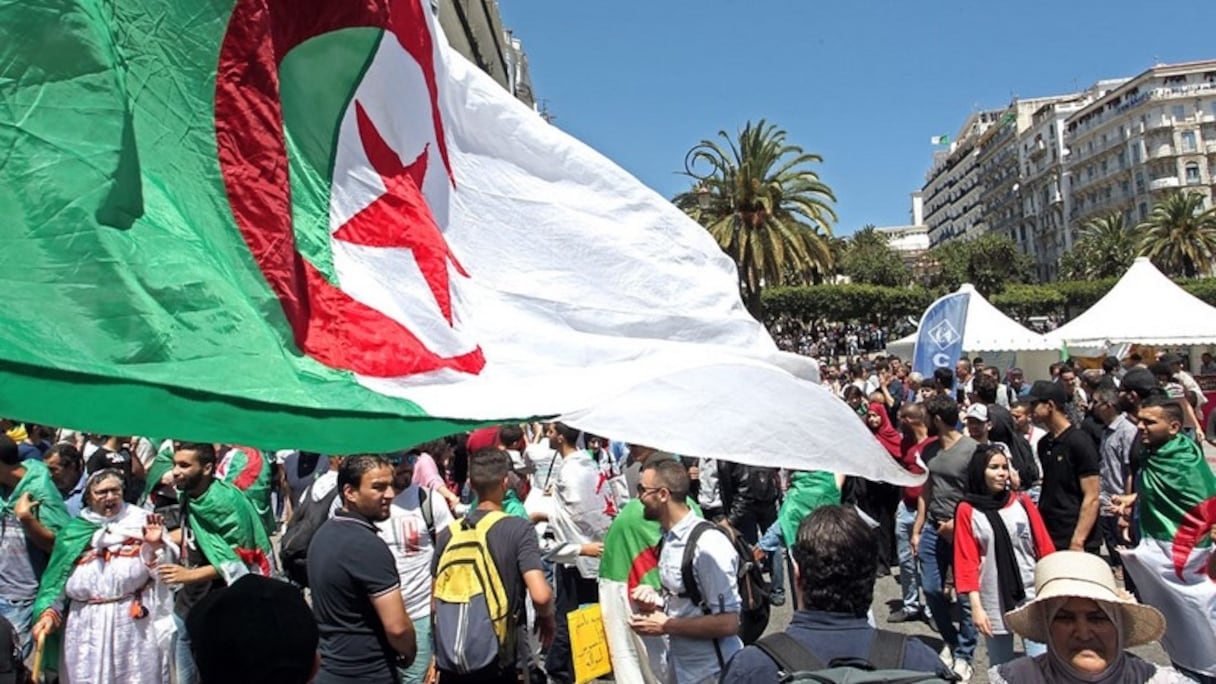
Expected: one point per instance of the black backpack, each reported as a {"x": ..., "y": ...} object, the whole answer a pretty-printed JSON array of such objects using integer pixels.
[
  {"x": 754, "y": 590},
  {"x": 307, "y": 517},
  {"x": 882, "y": 666}
]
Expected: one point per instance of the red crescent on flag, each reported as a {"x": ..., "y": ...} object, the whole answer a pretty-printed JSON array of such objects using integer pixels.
[
  {"x": 326, "y": 322},
  {"x": 1195, "y": 527}
]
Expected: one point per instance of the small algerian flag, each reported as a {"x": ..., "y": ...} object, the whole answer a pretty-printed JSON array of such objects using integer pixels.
[
  {"x": 1176, "y": 505},
  {"x": 311, "y": 224},
  {"x": 939, "y": 140}
]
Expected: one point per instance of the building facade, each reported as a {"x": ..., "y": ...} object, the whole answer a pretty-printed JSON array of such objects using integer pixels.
[
  {"x": 1040, "y": 169},
  {"x": 1152, "y": 135},
  {"x": 952, "y": 189},
  {"x": 474, "y": 29}
]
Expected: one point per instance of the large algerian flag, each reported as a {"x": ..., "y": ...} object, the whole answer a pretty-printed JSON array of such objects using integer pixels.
[
  {"x": 309, "y": 223},
  {"x": 1176, "y": 505}
]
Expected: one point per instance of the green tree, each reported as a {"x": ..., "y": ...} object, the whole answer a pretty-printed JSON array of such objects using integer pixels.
[
  {"x": 764, "y": 205},
  {"x": 869, "y": 259},
  {"x": 989, "y": 262},
  {"x": 1179, "y": 236},
  {"x": 1106, "y": 250}
]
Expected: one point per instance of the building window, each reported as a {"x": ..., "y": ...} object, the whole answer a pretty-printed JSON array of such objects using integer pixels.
[
  {"x": 1139, "y": 182},
  {"x": 1192, "y": 173},
  {"x": 1143, "y": 211},
  {"x": 1188, "y": 141},
  {"x": 1136, "y": 152},
  {"x": 1179, "y": 112},
  {"x": 1126, "y": 188}
]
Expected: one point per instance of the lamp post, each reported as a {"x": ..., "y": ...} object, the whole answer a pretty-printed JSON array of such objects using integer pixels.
[{"x": 704, "y": 196}]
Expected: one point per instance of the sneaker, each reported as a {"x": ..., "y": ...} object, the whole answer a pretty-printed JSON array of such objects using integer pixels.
[
  {"x": 962, "y": 668},
  {"x": 776, "y": 599},
  {"x": 903, "y": 615},
  {"x": 947, "y": 656}
]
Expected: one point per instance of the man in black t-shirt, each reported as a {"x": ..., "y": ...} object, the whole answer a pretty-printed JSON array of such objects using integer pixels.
[
  {"x": 356, "y": 591},
  {"x": 516, "y": 555},
  {"x": 1071, "y": 467}
]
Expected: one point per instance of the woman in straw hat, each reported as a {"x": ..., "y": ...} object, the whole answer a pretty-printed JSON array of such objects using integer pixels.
[
  {"x": 998, "y": 536},
  {"x": 1087, "y": 623}
]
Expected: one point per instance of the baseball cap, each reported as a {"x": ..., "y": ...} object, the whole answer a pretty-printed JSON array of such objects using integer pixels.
[
  {"x": 1046, "y": 390},
  {"x": 977, "y": 412},
  {"x": 1139, "y": 380}
]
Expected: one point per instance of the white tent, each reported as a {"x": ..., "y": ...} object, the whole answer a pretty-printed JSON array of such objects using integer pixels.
[
  {"x": 1002, "y": 341},
  {"x": 1144, "y": 307}
]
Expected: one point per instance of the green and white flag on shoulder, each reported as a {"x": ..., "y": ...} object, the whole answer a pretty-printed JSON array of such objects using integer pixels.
[
  {"x": 1176, "y": 506},
  {"x": 311, "y": 224}
]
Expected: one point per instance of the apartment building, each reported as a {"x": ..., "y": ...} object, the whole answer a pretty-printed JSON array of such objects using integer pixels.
[
  {"x": 1152, "y": 135},
  {"x": 952, "y": 191},
  {"x": 474, "y": 29}
]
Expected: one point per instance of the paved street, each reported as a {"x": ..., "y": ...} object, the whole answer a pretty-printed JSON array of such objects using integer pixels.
[{"x": 886, "y": 598}]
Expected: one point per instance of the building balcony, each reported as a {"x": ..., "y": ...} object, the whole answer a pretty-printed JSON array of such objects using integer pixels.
[
  {"x": 1210, "y": 147},
  {"x": 1164, "y": 183},
  {"x": 1160, "y": 151}
]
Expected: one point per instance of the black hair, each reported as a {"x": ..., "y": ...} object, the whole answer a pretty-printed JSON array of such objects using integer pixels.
[
  {"x": 944, "y": 407},
  {"x": 984, "y": 387},
  {"x": 1135, "y": 357},
  {"x": 67, "y": 453},
  {"x": 852, "y": 391},
  {"x": 204, "y": 450},
  {"x": 1169, "y": 406},
  {"x": 837, "y": 557},
  {"x": 353, "y": 469},
  {"x": 510, "y": 434},
  {"x": 943, "y": 377},
  {"x": 567, "y": 433},
  {"x": 487, "y": 468},
  {"x": 1110, "y": 364},
  {"x": 672, "y": 475},
  {"x": 10, "y": 455}
]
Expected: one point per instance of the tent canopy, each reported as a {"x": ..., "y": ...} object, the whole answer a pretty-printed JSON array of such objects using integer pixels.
[
  {"x": 1144, "y": 307},
  {"x": 986, "y": 330}
]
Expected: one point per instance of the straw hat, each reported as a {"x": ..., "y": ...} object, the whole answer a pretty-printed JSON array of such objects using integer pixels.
[{"x": 1067, "y": 574}]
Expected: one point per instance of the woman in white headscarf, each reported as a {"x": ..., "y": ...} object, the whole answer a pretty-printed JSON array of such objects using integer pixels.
[
  {"x": 101, "y": 592},
  {"x": 1087, "y": 624}
]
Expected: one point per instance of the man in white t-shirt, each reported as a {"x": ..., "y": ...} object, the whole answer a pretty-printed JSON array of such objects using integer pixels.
[{"x": 415, "y": 518}]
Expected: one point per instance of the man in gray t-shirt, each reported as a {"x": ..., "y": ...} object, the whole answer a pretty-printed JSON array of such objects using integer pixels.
[{"x": 933, "y": 533}]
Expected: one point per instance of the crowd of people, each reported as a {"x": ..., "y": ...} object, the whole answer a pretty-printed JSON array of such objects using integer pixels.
[
  {"x": 831, "y": 340},
  {"x": 465, "y": 559}
]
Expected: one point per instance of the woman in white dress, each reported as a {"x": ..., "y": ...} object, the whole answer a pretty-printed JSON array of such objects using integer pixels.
[{"x": 100, "y": 587}]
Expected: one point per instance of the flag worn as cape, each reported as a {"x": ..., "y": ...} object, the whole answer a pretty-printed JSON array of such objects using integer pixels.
[
  {"x": 70, "y": 542},
  {"x": 1176, "y": 506},
  {"x": 41, "y": 488},
  {"x": 248, "y": 470},
  {"x": 314, "y": 225},
  {"x": 161, "y": 464},
  {"x": 229, "y": 531}
]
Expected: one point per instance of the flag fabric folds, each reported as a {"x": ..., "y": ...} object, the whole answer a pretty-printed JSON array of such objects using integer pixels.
[
  {"x": 1176, "y": 508},
  {"x": 313, "y": 225}
]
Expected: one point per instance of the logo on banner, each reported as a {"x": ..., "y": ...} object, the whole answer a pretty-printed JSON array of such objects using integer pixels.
[{"x": 944, "y": 335}]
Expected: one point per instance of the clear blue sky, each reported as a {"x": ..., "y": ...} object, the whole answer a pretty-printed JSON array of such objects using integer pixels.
[{"x": 864, "y": 83}]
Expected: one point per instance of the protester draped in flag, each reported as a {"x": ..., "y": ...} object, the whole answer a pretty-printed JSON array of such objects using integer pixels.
[
  {"x": 101, "y": 594},
  {"x": 1175, "y": 504},
  {"x": 31, "y": 514},
  {"x": 221, "y": 537}
]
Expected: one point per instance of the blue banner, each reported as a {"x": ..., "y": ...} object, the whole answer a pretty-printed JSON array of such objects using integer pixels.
[{"x": 939, "y": 340}]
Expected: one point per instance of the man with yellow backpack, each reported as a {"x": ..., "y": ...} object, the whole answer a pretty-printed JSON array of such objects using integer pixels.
[{"x": 486, "y": 565}]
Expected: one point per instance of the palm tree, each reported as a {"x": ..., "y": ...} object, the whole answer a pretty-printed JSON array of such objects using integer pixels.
[
  {"x": 767, "y": 210},
  {"x": 1106, "y": 249},
  {"x": 1179, "y": 236}
]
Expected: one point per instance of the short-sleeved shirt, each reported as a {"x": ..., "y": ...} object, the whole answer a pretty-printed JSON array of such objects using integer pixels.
[
  {"x": 409, "y": 540},
  {"x": 514, "y": 550},
  {"x": 947, "y": 475},
  {"x": 828, "y": 636},
  {"x": 1118, "y": 439},
  {"x": 348, "y": 566},
  {"x": 1066, "y": 458},
  {"x": 715, "y": 565}
]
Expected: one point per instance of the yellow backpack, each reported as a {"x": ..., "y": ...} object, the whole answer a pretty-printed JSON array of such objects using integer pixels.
[{"x": 472, "y": 623}]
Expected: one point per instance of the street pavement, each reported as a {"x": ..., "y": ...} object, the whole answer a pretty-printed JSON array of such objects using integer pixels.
[{"x": 887, "y": 599}]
